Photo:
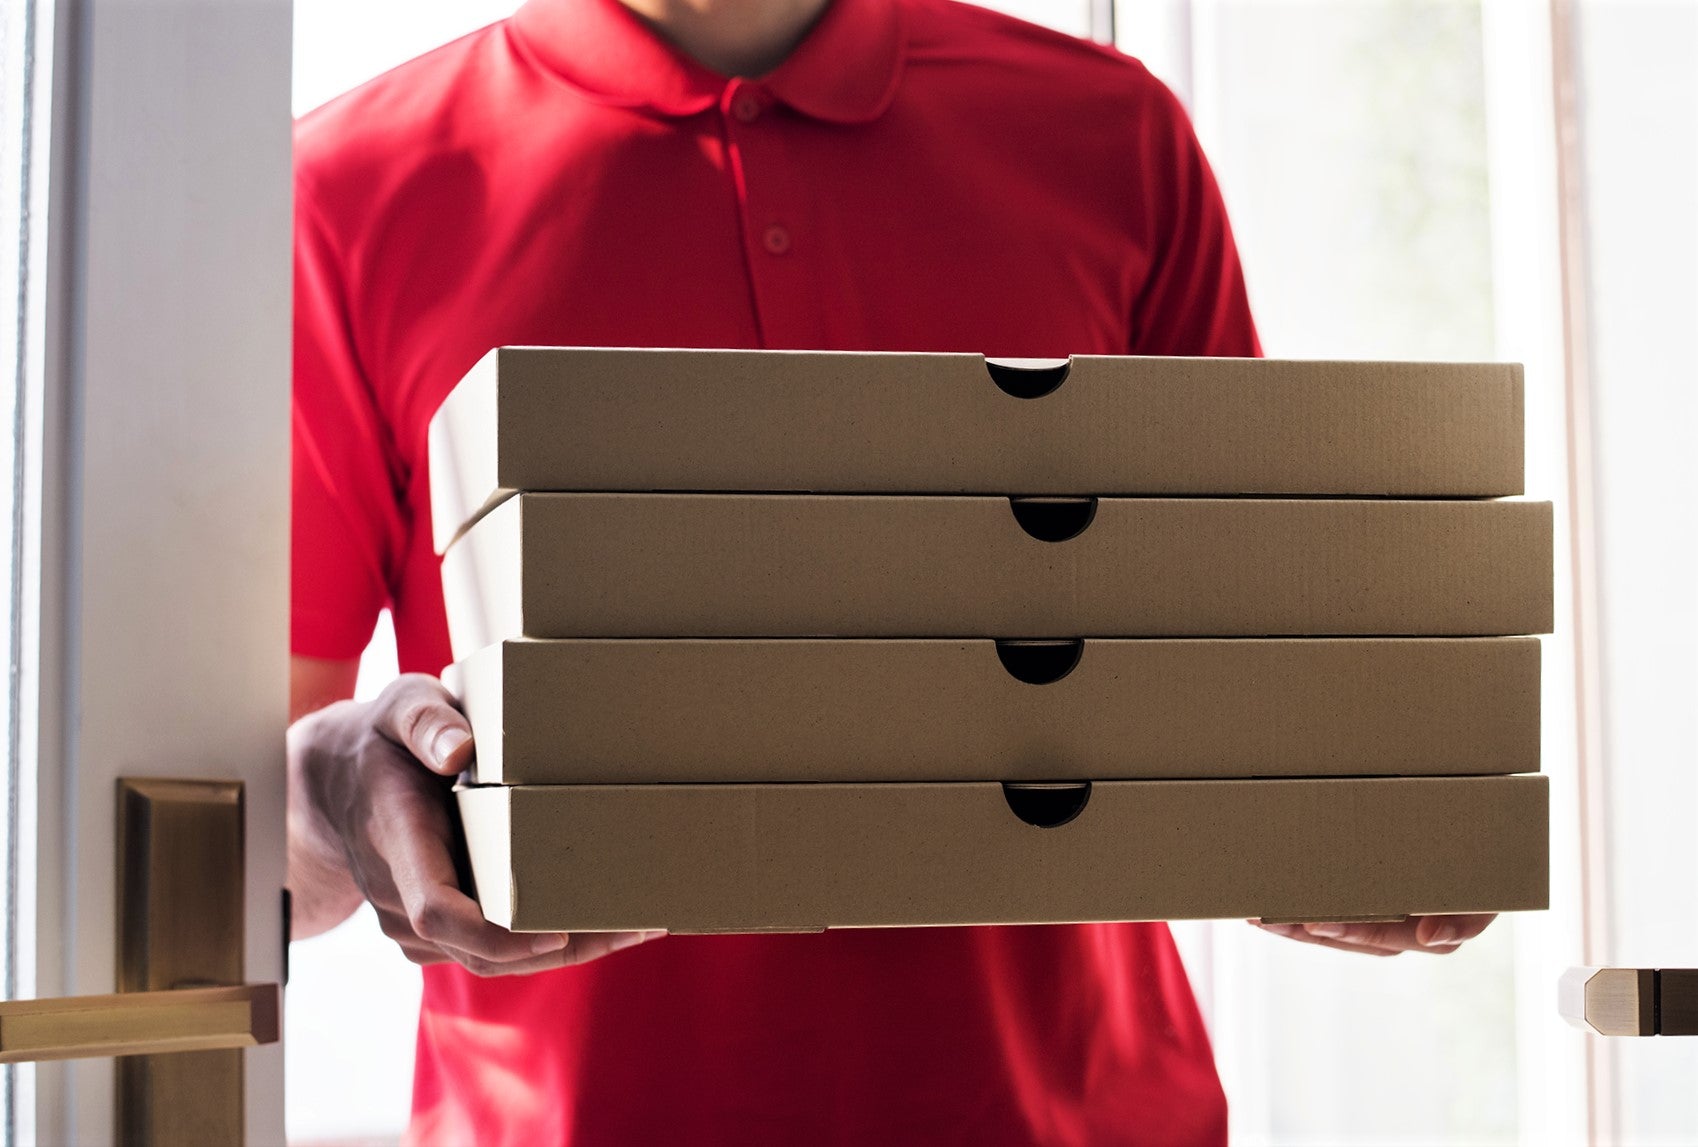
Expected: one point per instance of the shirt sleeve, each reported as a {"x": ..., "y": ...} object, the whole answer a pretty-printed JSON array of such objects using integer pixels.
[
  {"x": 347, "y": 508},
  {"x": 1193, "y": 300}
]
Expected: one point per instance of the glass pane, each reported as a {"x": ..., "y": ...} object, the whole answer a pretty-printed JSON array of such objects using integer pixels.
[
  {"x": 1350, "y": 143},
  {"x": 17, "y": 113},
  {"x": 1637, "y": 72}
]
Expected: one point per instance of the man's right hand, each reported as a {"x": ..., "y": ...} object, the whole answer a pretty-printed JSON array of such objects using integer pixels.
[{"x": 368, "y": 819}]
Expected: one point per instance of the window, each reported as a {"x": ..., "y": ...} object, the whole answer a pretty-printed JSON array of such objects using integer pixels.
[
  {"x": 20, "y": 288},
  {"x": 1635, "y": 83}
]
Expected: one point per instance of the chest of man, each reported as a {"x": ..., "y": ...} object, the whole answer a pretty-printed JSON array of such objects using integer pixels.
[{"x": 759, "y": 229}]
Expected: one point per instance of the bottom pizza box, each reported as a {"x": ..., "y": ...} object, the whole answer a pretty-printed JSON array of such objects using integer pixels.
[{"x": 804, "y": 857}]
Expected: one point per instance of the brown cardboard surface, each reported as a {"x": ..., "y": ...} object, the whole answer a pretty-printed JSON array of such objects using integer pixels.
[
  {"x": 634, "y": 420},
  {"x": 750, "y": 858},
  {"x": 656, "y": 711},
  {"x": 706, "y": 565}
]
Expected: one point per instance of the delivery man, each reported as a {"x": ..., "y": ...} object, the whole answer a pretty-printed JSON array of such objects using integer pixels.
[{"x": 916, "y": 175}]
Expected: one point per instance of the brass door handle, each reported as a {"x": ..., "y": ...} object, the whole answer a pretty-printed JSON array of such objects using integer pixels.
[
  {"x": 181, "y": 862},
  {"x": 139, "y": 1023},
  {"x": 181, "y": 972},
  {"x": 1630, "y": 1001}
]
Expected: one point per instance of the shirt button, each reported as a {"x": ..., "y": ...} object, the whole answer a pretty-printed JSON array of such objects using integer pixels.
[
  {"x": 776, "y": 240},
  {"x": 746, "y": 106}
]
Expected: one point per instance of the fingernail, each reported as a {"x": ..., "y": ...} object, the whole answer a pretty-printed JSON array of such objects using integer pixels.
[
  {"x": 1325, "y": 931},
  {"x": 1276, "y": 929},
  {"x": 549, "y": 942},
  {"x": 447, "y": 741},
  {"x": 1443, "y": 934}
]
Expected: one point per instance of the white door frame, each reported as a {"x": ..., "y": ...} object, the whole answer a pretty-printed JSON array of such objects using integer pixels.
[{"x": 156, "y": 496}]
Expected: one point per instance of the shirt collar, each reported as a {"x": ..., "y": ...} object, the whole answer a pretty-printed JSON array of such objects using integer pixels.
[{"x": 845, "y": 70}]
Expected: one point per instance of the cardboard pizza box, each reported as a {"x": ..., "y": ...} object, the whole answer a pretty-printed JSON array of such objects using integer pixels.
[
  {"x": 804, "y": 857},
  {"x": 669, "y": 711},
  {"x": 724, "y": 565},
  {"x": 589, "y": 419}
]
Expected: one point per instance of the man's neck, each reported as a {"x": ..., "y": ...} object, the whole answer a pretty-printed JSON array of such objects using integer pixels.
[{"x": 732, "y": 37}]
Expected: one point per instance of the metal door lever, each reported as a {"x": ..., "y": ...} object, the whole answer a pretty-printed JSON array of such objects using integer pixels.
[
  {"x": 1630, "y": 1001},
  {"x": 139, "y": 1023}
]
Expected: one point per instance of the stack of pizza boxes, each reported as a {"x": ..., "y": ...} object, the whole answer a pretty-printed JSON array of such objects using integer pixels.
[{"x": 783, "y": 641}]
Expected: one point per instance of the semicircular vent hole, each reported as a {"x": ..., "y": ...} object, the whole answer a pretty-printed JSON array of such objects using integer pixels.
[
  {"x": 1047, "y": 806},
  {"x": 1054, "y": 519},
  {"x": 1039, "y": 662},
  {"x": 1028, "y": 377}
]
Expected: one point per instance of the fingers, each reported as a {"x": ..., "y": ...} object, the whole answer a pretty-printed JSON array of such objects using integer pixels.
[
  {"x": 1299, "y": 933},
  {"x": 422, "y": 908},
  {"x": 395, "y": 831},
  {"x": 564, "y": 951},
  {"x": 1437, "y": 935},
  {"x": 580, "y": 949},
  {"x": 588, "y": 946},
  {"x": 1438, "y": 931},
  {"x": 411, "y": 835},
  {"x": 1391, "y": 936},
  {"x": 419, "y": 715}
]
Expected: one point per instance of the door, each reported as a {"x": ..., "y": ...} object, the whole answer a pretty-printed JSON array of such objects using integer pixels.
[{"x": 150, "y": 197}]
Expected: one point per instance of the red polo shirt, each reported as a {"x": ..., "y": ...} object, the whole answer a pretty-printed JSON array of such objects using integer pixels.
[{"x": 918, "y": 175}]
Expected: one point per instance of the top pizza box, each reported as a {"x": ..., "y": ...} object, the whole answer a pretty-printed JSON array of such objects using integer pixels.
[{"x": 612, "y": 420}]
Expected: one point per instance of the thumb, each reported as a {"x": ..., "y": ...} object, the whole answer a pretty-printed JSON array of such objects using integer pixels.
[
  {"x": 418, "y": 714},
  {"x": 451, "y": 748}
]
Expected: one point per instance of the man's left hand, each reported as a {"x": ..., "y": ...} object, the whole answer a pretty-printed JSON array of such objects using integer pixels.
[{"x": 1437, "y": 935}]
